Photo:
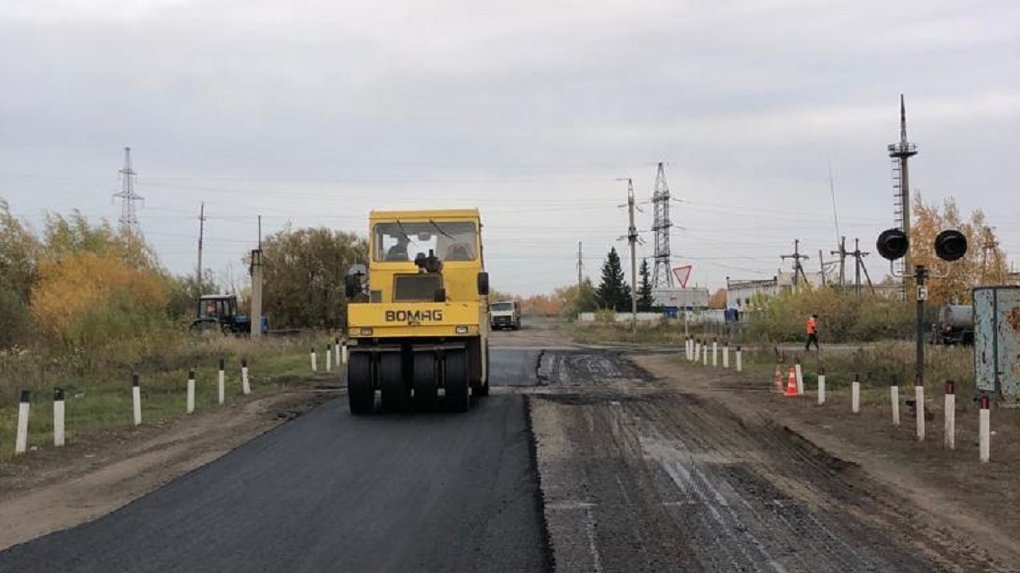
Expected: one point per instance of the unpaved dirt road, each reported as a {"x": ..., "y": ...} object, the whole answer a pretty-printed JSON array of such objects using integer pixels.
[
  {"x": 640, "y": 478},
  {"x": 581, "y": 460}
]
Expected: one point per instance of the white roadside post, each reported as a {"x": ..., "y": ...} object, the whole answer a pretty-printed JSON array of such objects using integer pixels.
[
  {"x": 136, "y": 400},
  {"x": 221, "y": 382},
  {"x": 919, "y": 398},
  {"x": 985, "y": 429},
  {"x": 821, "y": 386},
  {"x": 715, "y": 353},
  {"x": 315, "y": 362},
  {"x": 855, "y": 395},
  {"x": 21, "y": 439},
  {"x": 740, "y": 360},
  {"x": 704, "y": 354},
  {"x": 950, "y": 438},
  {"x": 799, "y": 371},
  {"x": 191, "y": 391},
  {"x": 697, "y": 351},
  {"x": 245, "y": 385},
  {"x": 58, "y": 417},
  {"x": 329, "y": 358},
  {"x": 344, "y": 352},
  {"x": 726, "y": 355},
  {"x": 894, "y": 400}
]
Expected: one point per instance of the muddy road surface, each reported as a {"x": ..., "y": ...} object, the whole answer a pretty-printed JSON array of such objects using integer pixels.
[
  {"x": 639, "y": 478},
  {"x": 578, "y": 461}
]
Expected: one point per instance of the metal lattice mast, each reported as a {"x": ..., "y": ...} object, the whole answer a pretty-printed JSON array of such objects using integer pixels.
[
  {"x": 900, "y": 153},
  {"x": 662, "y": 276},
  {"x": 127, "y": 195}
]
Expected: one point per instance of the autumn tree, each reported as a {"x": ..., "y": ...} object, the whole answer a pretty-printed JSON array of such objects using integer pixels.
[
  {"x": 543, "y": 304},
  {"x": 577, "y": 299},
  {"x": 613, "y": 292},
  {"x": 984, "y": 263},
  {"x": 645, "y": 300},
  {"x": 74, "y": 234},
  {"x": 85, "y": 300},
  {"x": 304, "y": 272},
  {"x": 718, "y": 299}
]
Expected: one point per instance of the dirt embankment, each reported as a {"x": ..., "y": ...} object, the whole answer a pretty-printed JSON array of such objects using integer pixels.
[
  {"x": 50, "y": 490},
  {"x": 977, "y": 505}
]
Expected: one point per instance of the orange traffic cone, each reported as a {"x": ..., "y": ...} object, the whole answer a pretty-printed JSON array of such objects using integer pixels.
[{"x": 791, "y": 384}]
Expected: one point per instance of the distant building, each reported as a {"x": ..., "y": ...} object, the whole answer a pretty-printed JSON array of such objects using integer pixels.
[{"x": 740, "y": 293}]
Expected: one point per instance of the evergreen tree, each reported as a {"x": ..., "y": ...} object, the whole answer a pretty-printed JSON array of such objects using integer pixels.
[
  {"x": 613, "y": 292},
  {"x": 644, "y": 301}
]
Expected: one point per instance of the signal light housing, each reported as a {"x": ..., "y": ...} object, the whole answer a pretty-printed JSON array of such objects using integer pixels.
[
  {"x": 893, "y": 244},
  {"x": 950, "y": 245}
]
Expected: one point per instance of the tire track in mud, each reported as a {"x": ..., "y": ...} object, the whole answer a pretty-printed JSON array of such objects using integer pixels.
[{"x": 661, "y": 481}]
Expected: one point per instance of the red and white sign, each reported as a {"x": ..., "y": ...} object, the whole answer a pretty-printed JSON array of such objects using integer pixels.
[{"x": 682, "y": 274}]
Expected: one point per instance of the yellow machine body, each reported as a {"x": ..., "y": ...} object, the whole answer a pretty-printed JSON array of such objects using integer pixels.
[
  {"x": 389, "y": 315},
  {"x": 418, "y": 317}
]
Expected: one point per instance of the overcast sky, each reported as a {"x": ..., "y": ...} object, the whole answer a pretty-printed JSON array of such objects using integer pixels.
[{"x": 315, "y": 112}]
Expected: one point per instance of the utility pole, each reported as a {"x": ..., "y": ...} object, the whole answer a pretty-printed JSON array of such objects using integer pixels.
[
  {"x": 632, "y": 237},
  {"x": 989, "y": 244},
  {"x": 580, "y": 267},
  {"x": 201, "y": 237},
  {"x": 842, "y": 261},
  {"x": 256, "y": 288},
  {"x": 859, "y": 267},
  {"x": 128, "y": 197},
  {"x": 798, "y": 269},
  {"x": 256, "y": 293},
  {"x": 821, "y": 266}
]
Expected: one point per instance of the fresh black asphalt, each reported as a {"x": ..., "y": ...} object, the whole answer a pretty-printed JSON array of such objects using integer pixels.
[{"x": 333, "y": 492}]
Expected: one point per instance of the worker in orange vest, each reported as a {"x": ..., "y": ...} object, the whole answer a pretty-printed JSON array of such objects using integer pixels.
[{"x": 812, "y": 332}]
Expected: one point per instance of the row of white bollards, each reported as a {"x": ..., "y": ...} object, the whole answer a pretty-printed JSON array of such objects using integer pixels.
[
  {"x": 336, "y": 350},
  {"x": 695, "y": 350},
  {"x": 59, "y": 411},
  {"x": 949, "y": 428}
]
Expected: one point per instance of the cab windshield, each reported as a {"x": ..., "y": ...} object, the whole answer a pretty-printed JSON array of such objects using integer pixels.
[
  {"x": 401, "y": 241},
  {"x": 501, "y": 306}
]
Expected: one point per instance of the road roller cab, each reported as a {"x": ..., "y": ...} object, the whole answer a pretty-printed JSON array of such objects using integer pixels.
[{"x": 417, "y": 313}]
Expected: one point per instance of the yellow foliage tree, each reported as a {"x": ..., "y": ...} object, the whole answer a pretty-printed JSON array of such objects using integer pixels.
[
  {"x": 88, "y": 298},
  {"x": 984, "y": 263},
  {"x": 718, "y": 299}
]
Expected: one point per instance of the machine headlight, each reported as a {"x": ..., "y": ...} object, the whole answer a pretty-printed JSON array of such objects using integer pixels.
[
  {"x": 461, "y": 330},
  {"x": 366, "y": 331}
]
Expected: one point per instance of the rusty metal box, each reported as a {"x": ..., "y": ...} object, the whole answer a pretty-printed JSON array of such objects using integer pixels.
[{"x": 997, "y": 341}]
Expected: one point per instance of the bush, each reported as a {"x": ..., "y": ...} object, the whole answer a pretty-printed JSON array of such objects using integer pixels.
[
  {"x": 842, "y": 316},
  {"x": 89, "y": 300}
]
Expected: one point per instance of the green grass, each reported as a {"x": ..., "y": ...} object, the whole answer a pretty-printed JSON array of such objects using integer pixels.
[
  {"x": 878, "y": 366},
  {"x": 99, "y": 400}
]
